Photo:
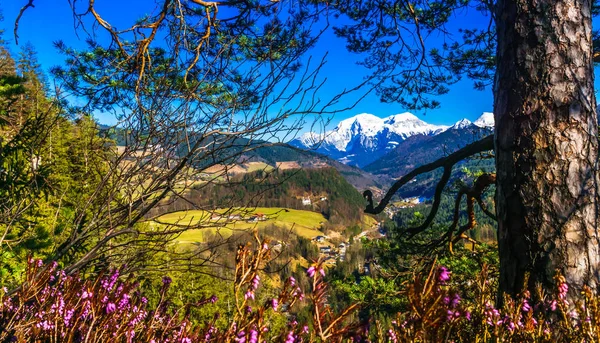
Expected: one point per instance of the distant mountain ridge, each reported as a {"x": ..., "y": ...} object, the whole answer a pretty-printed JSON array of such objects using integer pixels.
[
  {"x": 364, "y": 138},
  {"x": 418, "y": 150}
]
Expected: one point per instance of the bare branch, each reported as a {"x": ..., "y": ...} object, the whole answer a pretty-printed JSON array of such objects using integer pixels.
[
  {"x": 16, "y": 29},
  {"x": 484, "y": 144}
]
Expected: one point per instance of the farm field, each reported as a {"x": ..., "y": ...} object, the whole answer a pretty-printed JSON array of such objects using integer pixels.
[{"x": 303, "y": 223}]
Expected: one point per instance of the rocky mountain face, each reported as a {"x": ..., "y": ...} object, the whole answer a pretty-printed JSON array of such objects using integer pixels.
[
  {"x": 419, "y": 149},
  {"x": 365, "y": 138}
]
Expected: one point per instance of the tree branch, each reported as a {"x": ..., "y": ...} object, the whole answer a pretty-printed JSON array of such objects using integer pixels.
[
  {"x": 484, "y": 144},
  {"x": 23, "y": 9}
]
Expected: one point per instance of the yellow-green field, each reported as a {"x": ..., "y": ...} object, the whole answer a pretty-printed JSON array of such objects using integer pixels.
[
  {"x": 368, "y": 222},
  {"x": 303, "y": 223},
  {"x": 254, "y": 166}
]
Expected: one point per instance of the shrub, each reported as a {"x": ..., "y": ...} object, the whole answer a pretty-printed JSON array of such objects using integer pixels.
[{"x": 51, "y": 306}]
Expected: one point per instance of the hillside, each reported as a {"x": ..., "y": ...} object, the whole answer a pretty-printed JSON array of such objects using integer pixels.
[
  {"x": 272, "y": 155},
  {"x": 305, "y": 224},
  {"x": 247, "y": 156},
  {"x": 418, "y": 150},
  {"x": 322, "y": 190}
]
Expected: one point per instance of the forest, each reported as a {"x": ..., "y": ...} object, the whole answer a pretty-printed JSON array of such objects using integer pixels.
[{"x": 203, "y": 97}]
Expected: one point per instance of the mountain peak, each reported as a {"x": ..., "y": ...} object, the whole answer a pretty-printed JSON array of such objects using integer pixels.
[
  {"x": 400, "y": 117},
  {"x": 365, "y": 137},
  {"x": 486, "y": 120},
  {"x": 461, "y": 124},
  {"x": 361, "y": 117}
]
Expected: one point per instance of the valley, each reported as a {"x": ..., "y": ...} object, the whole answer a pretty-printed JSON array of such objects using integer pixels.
[{"x": 314, "y": 197}]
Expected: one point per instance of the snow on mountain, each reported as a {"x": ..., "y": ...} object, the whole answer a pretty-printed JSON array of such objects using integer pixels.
[
  {"x": 486, "y": 120},
  {"x": 365, "y": 137},
  {"x": 461, "y": 124}
]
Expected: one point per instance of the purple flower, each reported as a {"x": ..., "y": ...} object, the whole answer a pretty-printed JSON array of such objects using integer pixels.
[
  {"x": 45, "y": 325},
  {"x": 253, "y": 336},
  {"x": 525, "y": 307},
  {"x": 274, "y": 304},
  {"x": 311, "y": 271},
  {"x": 392, "y": 336},
  {"x": 511, "y": 326},
  {"x": 292, "y": 281},
  {"x": 563, "y": 288},
  {"x": 443, "y": 274},
  {"x": 68, "y": 316},
  {"x": 290, "y": 337},
  {"x": 468, "y": 315},
  {"x": 255, "y": 282},
  {"x": 110, "y": 307},
  {"x": 241, "y": 337},
  {"x": 166, "y": 281},
  {"x": 249, "y": 295},
  {"x": 186, "y": 340},
  {"x": 213, "y": 299},
  {"x": 40, "y": 263},
  {"x": 124, "y": 302},
  {"x": 455, "y": 300}
]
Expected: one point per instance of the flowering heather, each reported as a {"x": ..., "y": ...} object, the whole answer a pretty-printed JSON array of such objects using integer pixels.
[{"x": 54, "y": 307}]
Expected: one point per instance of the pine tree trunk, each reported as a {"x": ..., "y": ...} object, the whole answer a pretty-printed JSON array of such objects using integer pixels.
[{"x": 546, "y": 144}]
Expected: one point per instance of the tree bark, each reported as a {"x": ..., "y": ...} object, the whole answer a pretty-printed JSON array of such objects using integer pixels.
[{"x": 546, "y": 144}]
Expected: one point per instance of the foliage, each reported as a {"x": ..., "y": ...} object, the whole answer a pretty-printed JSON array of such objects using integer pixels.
[
  {"x": 52, "y": 306},
  {"x": 285, "y": 188},
  {"x": 50, "y": 163}
]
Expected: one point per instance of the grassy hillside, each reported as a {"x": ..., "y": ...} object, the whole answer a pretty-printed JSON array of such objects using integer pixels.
[
  {"x": 330, "y": 194},
  {"x": 303, "y": 223}
]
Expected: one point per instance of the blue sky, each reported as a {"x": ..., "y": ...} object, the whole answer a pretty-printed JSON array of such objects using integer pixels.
[{"x": 50, "y": 21}]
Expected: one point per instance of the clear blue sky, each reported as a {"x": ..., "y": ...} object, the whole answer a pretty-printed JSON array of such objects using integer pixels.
[{"x": 50, "y": 21}]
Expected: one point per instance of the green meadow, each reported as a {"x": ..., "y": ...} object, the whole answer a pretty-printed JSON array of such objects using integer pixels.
[{"x": 303, "y": 223}]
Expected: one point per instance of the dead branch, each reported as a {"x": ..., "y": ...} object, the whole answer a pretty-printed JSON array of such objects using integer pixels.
[
  {"x": 472, "y": 194},
  {"x": 484, "y": 144},
  {"x": 23, "y": 9},
  {"x": 446, "y": 163}
]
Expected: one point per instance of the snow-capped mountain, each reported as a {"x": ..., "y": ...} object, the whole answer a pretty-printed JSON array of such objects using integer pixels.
[
  {"x": 461, "y": 124},
  {"x": 486, "y": 120},
  {"x": 365, "y": 137},
  {"x": 418, "y": 150}
]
